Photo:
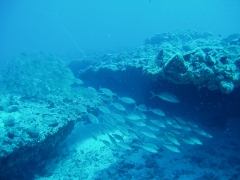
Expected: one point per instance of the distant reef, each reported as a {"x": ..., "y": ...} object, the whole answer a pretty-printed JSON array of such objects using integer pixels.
[{"x": 182, "y": 57}]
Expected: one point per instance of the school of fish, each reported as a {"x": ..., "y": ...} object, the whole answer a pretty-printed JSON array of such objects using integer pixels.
[{"x": 129, "y": 126}]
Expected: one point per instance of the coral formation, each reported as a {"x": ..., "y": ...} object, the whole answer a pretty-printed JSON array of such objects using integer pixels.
[
  {"x": 182, "y": 57},
  {"x": 37, "y": 75}
]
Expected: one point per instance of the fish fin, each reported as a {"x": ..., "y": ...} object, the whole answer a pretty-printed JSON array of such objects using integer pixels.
[{"x": 153, "y": 95}]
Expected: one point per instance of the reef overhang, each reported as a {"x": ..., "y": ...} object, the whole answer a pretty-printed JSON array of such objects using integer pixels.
[{"x": 182, "y": 57}]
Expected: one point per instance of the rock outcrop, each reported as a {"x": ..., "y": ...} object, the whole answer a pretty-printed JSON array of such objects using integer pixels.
[{"x": 184, "y": 57}]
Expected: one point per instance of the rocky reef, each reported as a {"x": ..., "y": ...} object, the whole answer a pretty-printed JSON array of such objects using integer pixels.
[
  {"x": 38, "y": 110},
  {"x": 182, "y": 57},
  {"x": 41, "y": 99}
]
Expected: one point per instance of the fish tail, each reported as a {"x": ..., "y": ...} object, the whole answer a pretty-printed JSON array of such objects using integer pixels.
[{"x": 153, "y": 95}]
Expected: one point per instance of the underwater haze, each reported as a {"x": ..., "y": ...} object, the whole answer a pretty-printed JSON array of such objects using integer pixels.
[
  {"x": 33, "y": 26},
  {"x": 120, "y": 90}
]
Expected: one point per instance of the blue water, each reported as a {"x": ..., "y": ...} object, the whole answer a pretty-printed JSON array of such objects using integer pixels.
[
  {"x": 45, "y": 46},
  {"x": 32, "y": 26}
]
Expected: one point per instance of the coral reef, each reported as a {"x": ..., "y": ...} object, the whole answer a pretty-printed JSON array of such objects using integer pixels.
[
  {"x": 37, "y": 75},
  {"x": 37, "y": 111},
  {"x": 182, "y": 57}
]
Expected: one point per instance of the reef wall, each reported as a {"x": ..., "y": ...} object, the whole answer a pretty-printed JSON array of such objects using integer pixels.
[
  {"x": 38, "y": 109},
  {"x": 182, "y": 57}
]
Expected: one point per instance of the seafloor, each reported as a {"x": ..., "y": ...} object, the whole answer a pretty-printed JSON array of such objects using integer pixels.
[{"x": 169, "y": 109}]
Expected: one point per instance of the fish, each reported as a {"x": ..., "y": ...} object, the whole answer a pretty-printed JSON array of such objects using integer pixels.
[
  {"x": 112, "y": 139},
  {"x": 106, "y": 91},
  {"x": 202, "y": 132},
  {"x": 142, "y": 107},
  {"x": 150, "y": 144},
  {"x": 108, "y": 127},
  {"x": 195, "y": 140},
  {"x": 199, "y": 131},
  {"x": 208, "y": 135},
  {"x": 93, "y": 118},
  {"x": 172, "y": 148},
  {"x": 149, "y": 148},
  {"x": 124, "y": 145},
  {"x": 118, "y": 137},
  {"x": 81, "y": 108},
  {"x": 158, "y": 123},
  {"x": 166, "y": 97},
  {"x": 192, "y": 124},
  {"x": 158, "y": 112},
  {"x": 175, "y": 131},
  {"x": 133, "y": 117},
  {"x": 93, "y": 90},
  {"x": 123, "y": 130},
  {"x": 172, "y": 138},
  {"x": 87, "y": 93},
  {"x": 107, "y": 143},
  {"x": 171, "y": 120},
  {"x": 105, "y": 97},
  {"x": 104, "y": 109},
  {"x": 127, "y": 100},
  {"x": 132, "y": 133},
  {"x": 106, "y": 118},
  {"x": 140, "y": 123},
  {"x": 119, "y": 106},
  {"x": 94, "y": 136},
  {"x": 181, "y": 120},
  {"x": 103, "y": 130},
  {"x": 169, "y": 132},
  {"x": 149, "y": 134},
  {"x": 186, "y": 127},
  {"x": 152, "y": 126},
  {"x": 187, "y": 140},
  {"x": 118, "y": 117},
  {"x": 176, "y": 126},
  {"x": 78, "y": 81},
  {"x": 142, "y": 115}
]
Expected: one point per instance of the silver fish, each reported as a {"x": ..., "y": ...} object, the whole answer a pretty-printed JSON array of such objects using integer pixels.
[
  {"x": 187, "y": 140},
  {"x": 195, "y": 140},
  {"x": 107, "y": 143},
  {"x": 112, "y": 139},
  {"x": 166, "y": 97},
  {"x": 181, "y": 120},
  {"x": 127, "y": 100},
  {"x": 133, "y": 117},
  {"x": 142, "y": 107},
  {"x": 93, "y": 118},
  {"x": 124, "y": 145},
  {"x": 172, "y": 148},
  {"x": 119, "y": 106},
  {"x": 104, "y": 109},
  {"x": 149, "y": 134},
  {"x": 106, "y": 91},
  {"x": 118, "y": 117},
  {"x": 149, "y": 148},
  {"x": 140, "y": 123},
  {"x": 118, "y": 137},
  {"x": 172, "y": 138},
  {"x": 81, "y": 108},
  {"x": 158, "y": 112}
]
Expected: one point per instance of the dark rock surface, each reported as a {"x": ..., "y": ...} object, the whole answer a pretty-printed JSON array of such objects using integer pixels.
[{"x": 28, "y": 138}]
